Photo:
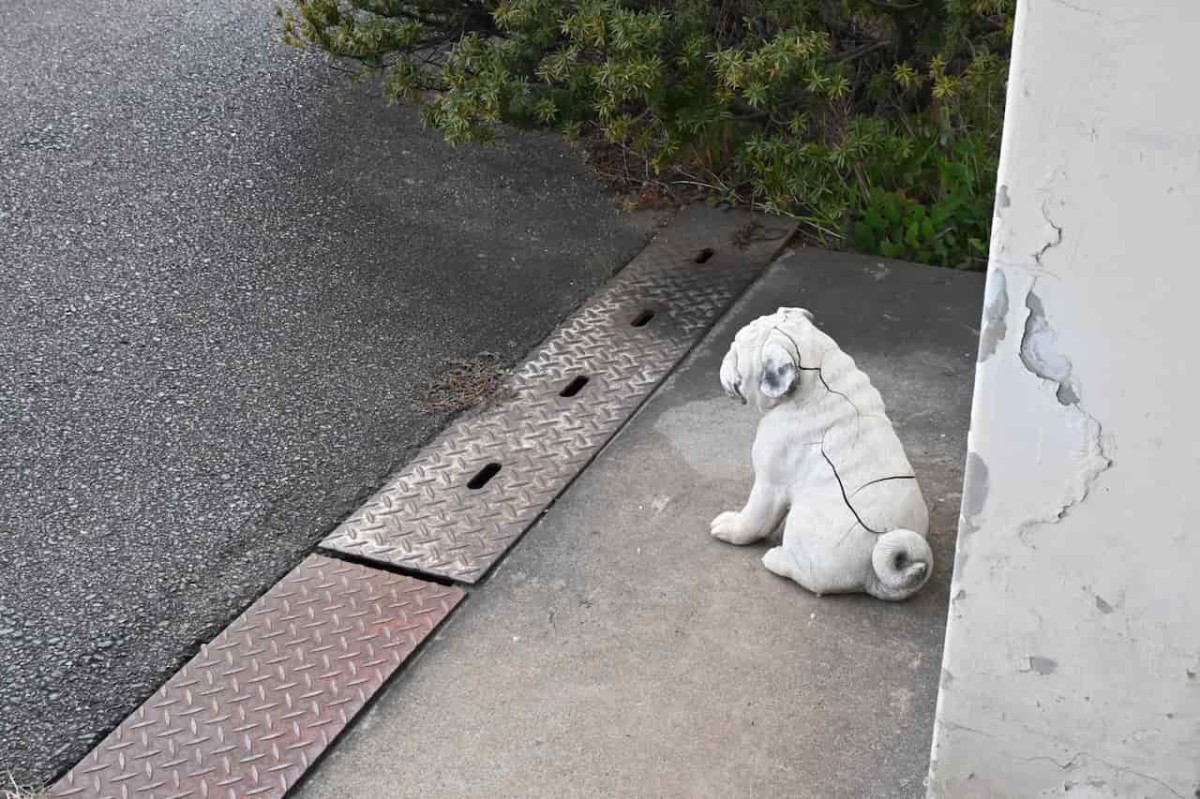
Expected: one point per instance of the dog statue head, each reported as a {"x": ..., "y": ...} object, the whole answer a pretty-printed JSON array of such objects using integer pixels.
[{"x": 767, "y": 356}]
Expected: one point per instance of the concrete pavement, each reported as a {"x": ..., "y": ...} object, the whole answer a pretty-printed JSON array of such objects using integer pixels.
[
  {"x": 225, "y": 280},
  {"x": 621, "y": 651}
]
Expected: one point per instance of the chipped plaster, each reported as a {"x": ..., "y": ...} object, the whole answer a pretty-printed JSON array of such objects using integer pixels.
[
  {"x": 1074, "y": 659},
  {"x": 995, "y": 312}
]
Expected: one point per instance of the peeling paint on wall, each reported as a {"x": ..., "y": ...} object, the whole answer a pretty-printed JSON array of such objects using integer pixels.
[
  {"x": 1039, "y": 351},
  {"x": 975, "y": 489},
  {"x": 1040, "y": 354},
  {"x": 1074, "y": 660},
  {"x": 995, "y": 311}
]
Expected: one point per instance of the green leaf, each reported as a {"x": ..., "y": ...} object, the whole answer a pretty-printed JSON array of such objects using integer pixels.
[
  {"x": 864, "y": 238},
  {"x": 927, "y": 230},
  {"x": 912, "y": 234}
]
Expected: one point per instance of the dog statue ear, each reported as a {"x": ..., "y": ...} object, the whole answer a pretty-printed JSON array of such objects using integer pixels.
[
  {"x": 731, "y": 378},
  {"x": 779, "y": 370}
]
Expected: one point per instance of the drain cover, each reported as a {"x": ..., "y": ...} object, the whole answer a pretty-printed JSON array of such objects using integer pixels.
[
  {"x": 467, "y": 497},
  {"x": 250, "y": 713}
]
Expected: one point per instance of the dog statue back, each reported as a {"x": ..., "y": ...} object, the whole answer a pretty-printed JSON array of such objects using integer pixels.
[{"x": 827, "y": 463}]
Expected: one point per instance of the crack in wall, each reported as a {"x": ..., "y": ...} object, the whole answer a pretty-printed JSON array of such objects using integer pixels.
[
  {"x": 1089, "y": 11},
  {"x": 1058, "y": 237},
  {"x": 1040, "y": 355},
  {"x": 1069, "y": 764},
  {"x": 1143, "y": 775},
  {"x": 1081, "y": 764},
  {"x": 1081, "y": 761}
]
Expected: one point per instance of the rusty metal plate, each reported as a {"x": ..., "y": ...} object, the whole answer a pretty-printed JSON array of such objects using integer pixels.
[
  {"x": 249, "y": 714},
  {"x": 469, "y": 495}
]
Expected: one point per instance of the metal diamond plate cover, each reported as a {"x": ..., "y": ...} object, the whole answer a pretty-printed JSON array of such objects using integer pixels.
[
  {"x": 250, "y": 713},
  {"x": 450, "y": 512}
]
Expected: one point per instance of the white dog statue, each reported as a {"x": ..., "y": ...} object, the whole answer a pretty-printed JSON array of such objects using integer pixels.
[{"x": 826, "y": 456}]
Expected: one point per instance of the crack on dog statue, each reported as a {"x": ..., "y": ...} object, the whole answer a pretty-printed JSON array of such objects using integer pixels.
[{"x": 827, "y": 458}]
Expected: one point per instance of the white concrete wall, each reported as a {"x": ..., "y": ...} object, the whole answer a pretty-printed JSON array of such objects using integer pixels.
[{"x": 1072, "y": 662}]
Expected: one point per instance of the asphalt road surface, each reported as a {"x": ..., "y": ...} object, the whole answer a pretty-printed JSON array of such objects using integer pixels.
[{"x": 225, "y": 280}]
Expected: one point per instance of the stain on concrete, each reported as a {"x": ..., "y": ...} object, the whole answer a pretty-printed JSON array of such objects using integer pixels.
[
  {"x": 1103, "y": 606},
  {"x": 1002, "y": 200},
  {"x": 726, "y": 446},
  {"x": 1042, "y": 665}
]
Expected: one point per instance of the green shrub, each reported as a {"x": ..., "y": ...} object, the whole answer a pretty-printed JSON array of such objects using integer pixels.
[{"x": 875, "y": 121}]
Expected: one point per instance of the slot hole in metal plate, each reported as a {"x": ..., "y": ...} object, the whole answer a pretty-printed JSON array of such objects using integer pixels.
[
  {"x": 483, "y": 476},
  {"x": 643, "y": 319},
  {"x": 574, "y": 387},
  {"x": 672, "y": 299}
]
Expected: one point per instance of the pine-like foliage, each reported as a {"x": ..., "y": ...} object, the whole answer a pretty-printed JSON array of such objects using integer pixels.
[{"x": 873, "y": 121}]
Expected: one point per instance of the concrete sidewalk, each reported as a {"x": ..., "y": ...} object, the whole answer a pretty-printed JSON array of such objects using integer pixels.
[{"x": 621, "y": 651}]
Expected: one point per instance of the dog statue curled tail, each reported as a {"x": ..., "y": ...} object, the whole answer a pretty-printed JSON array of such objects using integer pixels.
[{"x": 826, "y": 457}]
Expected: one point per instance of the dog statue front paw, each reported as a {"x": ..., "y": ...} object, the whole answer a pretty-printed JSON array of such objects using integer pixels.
[{"x": 730, "y": 528}]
